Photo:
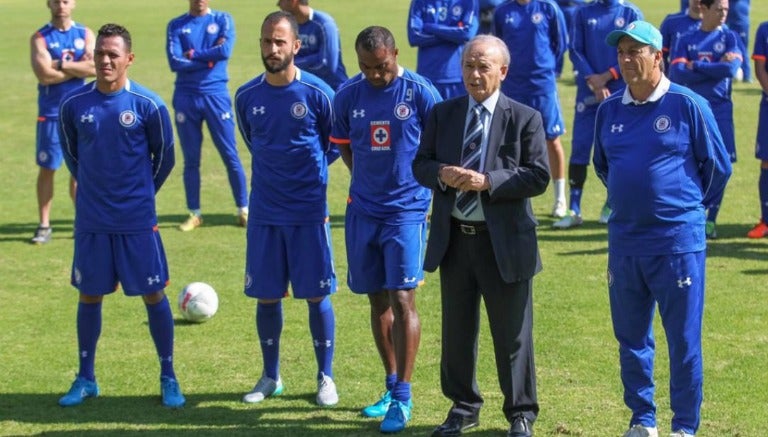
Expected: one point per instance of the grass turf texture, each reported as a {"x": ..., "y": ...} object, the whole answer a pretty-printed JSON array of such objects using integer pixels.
[{"x": 216, "y": 362}]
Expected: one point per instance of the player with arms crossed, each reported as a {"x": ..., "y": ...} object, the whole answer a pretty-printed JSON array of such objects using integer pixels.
[
  {"x": 285, "y": 116},
  {"x": 118, "y": 144},
  {"x": 62, "y": 57}
]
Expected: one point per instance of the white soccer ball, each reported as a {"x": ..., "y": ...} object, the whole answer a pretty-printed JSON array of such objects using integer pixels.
[{"x": 198, "y": 302}]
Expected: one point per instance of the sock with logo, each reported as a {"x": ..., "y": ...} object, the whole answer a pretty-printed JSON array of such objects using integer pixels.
[
  {"x": 269, "y": 326},
  {"x": 160, "y": 320},
  {"x": 88, "y": 332},
  {"x": 322, "y": 325}
]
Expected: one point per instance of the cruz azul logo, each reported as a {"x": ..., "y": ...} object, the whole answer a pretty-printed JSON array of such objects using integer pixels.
[{"x": 381, "y": 136}]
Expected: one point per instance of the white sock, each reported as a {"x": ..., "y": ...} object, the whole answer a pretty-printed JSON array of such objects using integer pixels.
[
  {"x": 195, "y": 212},
  {"x": 559, "y": 189}
]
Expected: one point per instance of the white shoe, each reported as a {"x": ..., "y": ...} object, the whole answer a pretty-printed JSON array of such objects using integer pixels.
[
  {"x": 571, "y": 220},
  {"x": 681, "y": 434},
  {"x": 326, "y": 392},
  {"x": 559, "y": 210},
  {"x": 263, "y": 389},
  {"x": 641, "y": 431}
]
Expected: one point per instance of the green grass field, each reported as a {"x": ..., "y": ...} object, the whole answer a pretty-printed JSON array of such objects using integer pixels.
[{"x": 216, "y": 362}]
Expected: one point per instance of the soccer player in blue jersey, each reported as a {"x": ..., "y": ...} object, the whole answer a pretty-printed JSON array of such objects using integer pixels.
[
  {"x": 535, "y": 32},
  {"x": 660, "y": 154},
  {"x": 738, "y": 22},
  {"x": 62, "y": 57},
  {"x": 677, "y": 24},
  {"x": 285, "y": 116},
  {"x": 569, "y": 8},
  {"x": 118, "y": 144},
  {"x": 320, "y": 52},
  {"x": 439, "y": 29},
  {"x": 760, "y": 56},
  {"x": 706, "y": 60},
  {"x": 198, "y": 47},
  {"x": 487, "y": 9},
  {"x": 598, "y": 78},
  {"x": 379, "y": 115}
]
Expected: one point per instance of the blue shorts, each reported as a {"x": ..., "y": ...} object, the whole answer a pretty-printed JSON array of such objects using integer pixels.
[
  {"x": 383, "y": 257},
  {"x": 548, "y": 106},
  {"x": 48, "y": 147},
  {"x": 136, "y": 261},
  {"x": 761, "y": 144},
  {"x": 277, "y": 254},
  {"x": 583, "y": 133},
  {"x": 725, "y": 125}
]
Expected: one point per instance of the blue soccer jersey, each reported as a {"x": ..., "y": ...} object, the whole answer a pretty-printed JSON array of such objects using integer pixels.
[
  {"x": 672, "y": 28},
  {"x": 320, "y": 52},
  {"x": 536, "y": 36},
  {"x": 383, "y": 127},
  {"x": 208, "y": 41},
  {"x": 760, "y": 53},
  {"x": 588, "y": 51},
  {"x": 115, "y": 186},
  {"x": 439, "y": 29},
  {"x": 661, "y": 161},
  {"x": 66, "y": 45},
  {"x": 286, "y": 129}
]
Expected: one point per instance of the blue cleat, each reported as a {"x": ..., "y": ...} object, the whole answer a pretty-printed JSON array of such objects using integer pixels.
[
  {"x": 81, "y": 389},
  {"x": 380, "y": 407},
  {"x": 398, "y": 414},
  {"x": 171, "y": 393}
]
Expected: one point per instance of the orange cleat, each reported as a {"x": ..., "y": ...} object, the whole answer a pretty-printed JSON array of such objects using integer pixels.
[{"x": 759, "y": 231}]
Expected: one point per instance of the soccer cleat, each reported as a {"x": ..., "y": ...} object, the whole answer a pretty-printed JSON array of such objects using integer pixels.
[
  {"x": 379, "y": 408},
  {"x": 759, "y": 231},
  {"x": 681, "y": 434},
  {"x": 571, "y": 220},
  {"x": 710, "y": 230},
  {"x": 242, "y": 218},
  {"x": 605, "y": 214},
  {"x": 42, "y": 235},
  {"x": 81, "y": 389},
  {"x": 326, "y": 392},
  {"x": 171, "y": 393},
  {"x": 263, "y": 389},
  {"x": 398, "y": 414},
  {"x": 642, "y": 431},
  {"x": 559, "y": 210},
  {"x": 194, "y": 221}
]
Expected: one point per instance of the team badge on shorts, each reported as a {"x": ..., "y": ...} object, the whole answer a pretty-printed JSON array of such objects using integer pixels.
[
  {"x": 79, "y": 43},
  {"x": 248, "y": 280},
  {"x": 127, "y": 118},
  {"x": 619, "y": 22},
  {"x": 537, "y": 18},
  {"x": 662, "y": 124},
  {"x": 212, "y": 28},
  {"x": 180, "y": 117},
  {"x": 609, "y": 277},
  {"x": 77, "y": 276},
  {"x": 381, "y": 136},
  {"x": 299, "y": 110},
  {"x": 402, "y": 111}
]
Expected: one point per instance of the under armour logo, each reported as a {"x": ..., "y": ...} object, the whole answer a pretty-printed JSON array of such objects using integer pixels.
[
  {"x": 259, "y": 110},
  {"x": 86, "y": 118},
  {"x": 226, "y": 116},
  {"x": 84, "y": 354},
  {"x": 358, "y": 113},
  {"x": 325, "y": 283},
  {"x": 509, "y": 19},
  {"x": 324, "y": 343},
  {"x": 684, "y": 282},
  {"x": 407, "y": 280},
  {"x": 54, "y": 45},
  {"x": 186, "y": 30},
  {"x": 168, "y": 358},
  {"x": 617, "y": 128},
  {"x": 153, "y": 279},
  {"x": 268, "y": 342}
]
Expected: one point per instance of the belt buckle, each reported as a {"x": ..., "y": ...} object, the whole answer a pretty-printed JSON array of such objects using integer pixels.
[{"x": 467, "y": 229}]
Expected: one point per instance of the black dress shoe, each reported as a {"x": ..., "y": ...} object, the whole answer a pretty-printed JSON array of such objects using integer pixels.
[
  {"x": 455, "y": 424},
  {"x": 521, "y": 427}
]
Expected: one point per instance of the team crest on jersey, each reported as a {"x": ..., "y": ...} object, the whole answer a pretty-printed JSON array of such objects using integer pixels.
[
  {"x": 127, "y": 118},
  {"x": 381, "y": 136},
  {"x": 457, "y": 10},
  {"x": 537, "y": 18},
  {"x": 79, "y": 43},
  {"x": 402, "y": 111},
  {"x": 299, "y": 110},
  {"x": 662, "y": 124},
  {"x": 180, "y": 117},
  {"x": 619, "y": 22},
  {"x": 718, "y": 47},
  {"x": 212, "y": 28}
]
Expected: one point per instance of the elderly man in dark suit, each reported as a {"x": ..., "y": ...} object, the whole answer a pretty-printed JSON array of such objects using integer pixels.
[{"x": 484, "y": 155}]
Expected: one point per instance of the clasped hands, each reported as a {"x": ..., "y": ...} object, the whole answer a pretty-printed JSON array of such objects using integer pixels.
[{"x": 463, "y": 179}]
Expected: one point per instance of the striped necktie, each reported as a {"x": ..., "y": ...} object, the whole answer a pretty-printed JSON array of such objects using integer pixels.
[{"x": 467, "y": 201}]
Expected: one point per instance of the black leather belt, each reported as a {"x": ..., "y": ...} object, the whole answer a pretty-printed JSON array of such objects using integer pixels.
[{"x": 469, "y": 228}]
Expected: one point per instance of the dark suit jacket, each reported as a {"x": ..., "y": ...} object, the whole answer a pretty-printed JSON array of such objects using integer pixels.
[{"x": 516, "y": 163}]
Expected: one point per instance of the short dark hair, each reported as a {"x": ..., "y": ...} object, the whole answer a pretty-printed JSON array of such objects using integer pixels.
[
  {"x": 277, "y": 16},
  {"x": 707, "y": 3},
  {"x": 375, "y": 37},
  {"x": 111, "y": 29}
]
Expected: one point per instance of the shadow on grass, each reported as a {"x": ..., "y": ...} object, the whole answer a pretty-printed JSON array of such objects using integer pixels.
[{"x": 22, "y": 232}]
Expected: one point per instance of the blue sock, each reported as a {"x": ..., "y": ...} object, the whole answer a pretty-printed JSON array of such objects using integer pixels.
[
  {"x": 161, "y": 329},
  {"x": 322, "y": 326},
  {"x": 714, "y": 207},
  {"x": 576, "y": 200},
  {"x": 88, "y": 332},
  {"x": 269, "y": 326},
  {"x": 763, "y": 187},
  {"x": 390, "y": 381},
  {"x": 402, "y": 391}
]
